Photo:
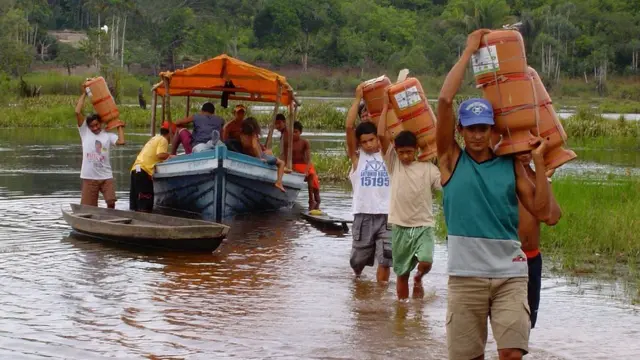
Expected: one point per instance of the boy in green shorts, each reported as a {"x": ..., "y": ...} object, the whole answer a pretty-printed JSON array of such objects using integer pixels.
[{"x": 410, "y": 208}]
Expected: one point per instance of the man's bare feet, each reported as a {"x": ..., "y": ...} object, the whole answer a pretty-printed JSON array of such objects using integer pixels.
[
  {"x": 287, "y": 170},
  {"x": 279, "y": 186},
  {"x": 313, "y": 205}
]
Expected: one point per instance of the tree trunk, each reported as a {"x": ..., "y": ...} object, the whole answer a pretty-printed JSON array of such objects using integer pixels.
[
  {"x": 99, "y": 44},
  {"x": 124, "y": 28},
  {"x": 305, "y": 53},
  {"x": 111, "y": 33}
]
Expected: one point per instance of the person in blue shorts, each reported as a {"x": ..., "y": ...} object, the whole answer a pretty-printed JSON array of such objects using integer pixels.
[{"x": 251, "y": 146}]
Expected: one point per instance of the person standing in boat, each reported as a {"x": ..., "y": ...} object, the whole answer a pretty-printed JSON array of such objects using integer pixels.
[
  {"x": 301, "y": 163},
  {"x": 371, "y": 188},
  {"x": 96, "y": 173},
  {"x": 529, "y": 234},
  {"x": 141, "y": 187},
  {"x": 487, "y": 268},
  {"x": 205, "y": 124}
]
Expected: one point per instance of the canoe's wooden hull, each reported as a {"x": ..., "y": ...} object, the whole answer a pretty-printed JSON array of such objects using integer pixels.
[
  {"x": 199, "y": 245},
  {"x": 146, "y": 230},
  {"x": 219, "y": 184}
]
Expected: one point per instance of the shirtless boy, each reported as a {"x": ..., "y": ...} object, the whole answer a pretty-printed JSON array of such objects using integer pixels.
[
  {"x": 529, "y": 234},
  {"x": 301, "y": 154}
]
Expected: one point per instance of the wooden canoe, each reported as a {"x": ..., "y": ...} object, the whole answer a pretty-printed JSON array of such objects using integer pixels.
[
  {"x": 145, "y": 229},
  {"x": 327, "y": 220}
]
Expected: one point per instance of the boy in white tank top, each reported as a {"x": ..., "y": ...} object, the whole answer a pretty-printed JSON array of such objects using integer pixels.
[{"x": 371, "y": 189}]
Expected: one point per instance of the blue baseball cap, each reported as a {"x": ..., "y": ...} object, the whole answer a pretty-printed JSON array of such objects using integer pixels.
[{"x": 475, "y": 111}]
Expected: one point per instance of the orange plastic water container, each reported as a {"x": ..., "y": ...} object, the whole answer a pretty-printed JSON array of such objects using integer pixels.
[
  {"x": 513, "y": 102},
  {"x": 501, "y": 52},
  {"x": 373, "y": 94},
  {"x": 542, "y": 96},
  {"x": 394, "y": 126},
  {"x": 103, "y": 102},
  {"x": 414, "y": 113},
  {"x": 550, "y": 127}
]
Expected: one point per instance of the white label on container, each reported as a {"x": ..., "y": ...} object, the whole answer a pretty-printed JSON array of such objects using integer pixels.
[
  {"x": 373, "y": 81},
  {"x": 408, "y": 98},
  {"x": 485, "y": 60},
  {"x": 88, "y": 91}
]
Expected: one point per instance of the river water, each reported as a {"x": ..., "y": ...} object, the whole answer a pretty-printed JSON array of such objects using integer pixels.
[{"x": 278, "y": 288}]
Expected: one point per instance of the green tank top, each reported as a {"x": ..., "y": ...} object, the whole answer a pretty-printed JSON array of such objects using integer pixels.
[{"x": 481, "y": 213}]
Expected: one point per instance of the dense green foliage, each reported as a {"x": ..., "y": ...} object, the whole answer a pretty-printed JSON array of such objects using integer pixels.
[{"x": 589, "y": 39}]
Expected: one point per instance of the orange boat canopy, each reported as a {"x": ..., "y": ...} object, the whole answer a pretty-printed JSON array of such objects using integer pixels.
[{"x": 208, "y": 79}]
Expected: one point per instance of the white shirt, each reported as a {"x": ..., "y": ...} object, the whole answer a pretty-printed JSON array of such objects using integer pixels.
[
  {"x": 371, "y": 185},
  {"x": 96, "y": 164}
]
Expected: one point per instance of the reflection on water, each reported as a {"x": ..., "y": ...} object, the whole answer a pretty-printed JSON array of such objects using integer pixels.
[{"x": 278, "y": 287}]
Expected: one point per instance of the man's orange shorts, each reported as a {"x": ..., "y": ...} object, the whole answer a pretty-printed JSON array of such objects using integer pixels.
[{"x": 313, "y": 176}]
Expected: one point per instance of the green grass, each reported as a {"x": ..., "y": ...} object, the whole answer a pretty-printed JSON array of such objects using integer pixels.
[
  {"x": 589, "y": 124},
  {"x": 58, "y": 111},
  {"x": 600, "y": 225},
  {"x": 332, "y": 168}
]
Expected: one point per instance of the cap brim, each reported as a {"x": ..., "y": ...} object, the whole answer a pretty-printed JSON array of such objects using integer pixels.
[{"x": 477, "y": 120}]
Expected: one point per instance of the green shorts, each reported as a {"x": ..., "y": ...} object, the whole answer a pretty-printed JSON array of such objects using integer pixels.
[{"x": 410, "y": 245}]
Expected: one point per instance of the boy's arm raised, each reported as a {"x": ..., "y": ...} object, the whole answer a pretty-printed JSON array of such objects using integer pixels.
[
  {"x": 79, "y": 106},
  {"x": 352, "y": 143},
  {"x": 536, "y": 198},
  {"x": 382, "y": 123},
  {"x": 448, "y": 149}
]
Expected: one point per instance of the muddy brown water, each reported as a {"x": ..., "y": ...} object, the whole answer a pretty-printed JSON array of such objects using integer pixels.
[{"x": 278, "y": 288}]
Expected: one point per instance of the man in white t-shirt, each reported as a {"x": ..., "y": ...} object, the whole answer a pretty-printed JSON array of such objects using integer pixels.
[{"x": 96, "y": 172}]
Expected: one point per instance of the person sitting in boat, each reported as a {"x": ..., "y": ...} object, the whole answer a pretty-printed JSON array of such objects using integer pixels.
[
  {"x": 205, "y": 124},
  {"x": 301, "y": 154},
  {"x": 249, "y": 140},
  {"x": 153, "y": 152},
  {"x": 233, "y": 129}
]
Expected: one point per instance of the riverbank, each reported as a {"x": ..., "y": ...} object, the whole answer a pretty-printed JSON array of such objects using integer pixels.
[
  {"x": 622, "y": 94},
  {"x": 315, "y": 114}
]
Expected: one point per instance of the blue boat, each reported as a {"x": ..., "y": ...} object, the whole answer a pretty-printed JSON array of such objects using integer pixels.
[
  {"x": 220, "y": 183},
  {"x": 217, "y": 184}
]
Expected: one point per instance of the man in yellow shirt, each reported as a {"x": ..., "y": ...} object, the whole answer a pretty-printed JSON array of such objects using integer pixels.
[{"x": 153, "y": 152}]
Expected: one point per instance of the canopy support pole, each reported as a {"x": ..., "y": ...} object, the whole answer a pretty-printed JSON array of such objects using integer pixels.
[
  {"x": 154, "y": 102},
  {"x": 168, "y": 97},
  {"x": 188, "y": 105},
  {"x": 164, "y": 102},
  {"x": 292, "y": 118},
  {"x": 276, "y": 107}
]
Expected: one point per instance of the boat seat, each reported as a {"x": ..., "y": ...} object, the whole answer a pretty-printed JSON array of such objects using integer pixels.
[
  {"x": 119, "y": 220},
  {"x": 83, "y": 215}
]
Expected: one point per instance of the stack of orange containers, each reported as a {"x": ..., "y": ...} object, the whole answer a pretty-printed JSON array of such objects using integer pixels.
[
  {"x": 373, "y": 94},
  {"x": 500, "y": 69},
  {"x": 103, "y": 102},
  {"x": 412, "y": 109}
]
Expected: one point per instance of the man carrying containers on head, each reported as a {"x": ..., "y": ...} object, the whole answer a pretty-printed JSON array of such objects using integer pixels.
[
  {"x": 96, "y": 173},
  {"x": 486, "y": 266}
]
